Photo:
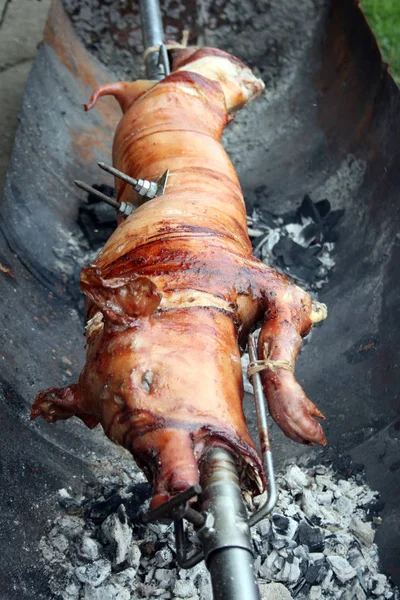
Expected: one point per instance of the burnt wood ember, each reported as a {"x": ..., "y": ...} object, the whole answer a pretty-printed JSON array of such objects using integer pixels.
[
  {"x": 316, "y": 572},
  {"x": 133, "y": 498},
  {"x": 284, "y": 530},
  {"x": 312, "y": 537},
  {"x": 316, "y": 211},
  {"x": 373, "y": 509},
  {"x": 301, "y": 262},
  {"x": 97, "y": 221},
  {"x": 115, "y": 561}
]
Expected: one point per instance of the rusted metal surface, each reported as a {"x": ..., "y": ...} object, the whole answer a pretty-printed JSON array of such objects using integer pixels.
[{"x": 331, "y": 130}]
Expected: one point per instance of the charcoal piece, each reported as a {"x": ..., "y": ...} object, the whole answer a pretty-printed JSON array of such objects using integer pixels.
[
  {"x": 344, "y": 506},
  {"x": 303, "y": 567},
  {"x": 284, "y": 528},
  {"x": 333, "y": 219},
  {"x": 264, "y": 215},
  {"x": 324, "y": 220},
  {"x": 330, "y": 223},
  {"x": 356, "y": 558},
  {"x": 118, "y": 533},
  {"x": 164, "y": 557},
  {"x": 314, "y": 572},
  {"x": 89, "y": 548},
  {"x": 362, "y": 531},
  {"x": 97, "y": 222},
  {"x": 183, "y": 589},
  {"x": 260, "y": 238},
  {"x": 302, "y": 553},
  {"x": 281, "y": 523},
  {"x": 322, "y": 573},
  {"x": 302, "y": 587},
  {"x": 150, "y": 548},
  {"x": 294, "y": 255},
  {"x": 300, "y": 261},
  {"x": 134, "y": 556},
  {"x": 373, "y": 508},
  {"x": 315, "y": 520},
  {"x": 264, "y": 527},
  {"x": 269, "y": 566},
  {"x": 312, "y": 537},
  {"x": 317, "y": 211},
  {"x": 100, "y": 510},
  {"x": 257, "y": 547},
  {"x": 141, "y": 492},
  {"x": 323, "y": 207},
  {"x": 296, "y": 478},
  {"x": 95, "y": 573},
  {"x": 290, "y": 571},
  {"x": 313, "y": 234},
  {"x": 268, "y": 218},
  {"x": 309, "y": 210},
  {"x": 268, "y": 591}
]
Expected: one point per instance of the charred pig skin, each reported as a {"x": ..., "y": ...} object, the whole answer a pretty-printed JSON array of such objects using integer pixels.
[{"x": 176, "y": 288}]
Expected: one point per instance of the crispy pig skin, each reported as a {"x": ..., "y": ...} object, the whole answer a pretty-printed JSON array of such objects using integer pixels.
[{"x": 176, "y": 286}]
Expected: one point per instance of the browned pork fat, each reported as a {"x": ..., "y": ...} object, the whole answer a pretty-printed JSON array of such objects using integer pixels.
[{"x": 176, "y": 286}]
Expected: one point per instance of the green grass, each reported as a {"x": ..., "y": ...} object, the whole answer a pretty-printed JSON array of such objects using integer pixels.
[{"x": 384, "y": 19}]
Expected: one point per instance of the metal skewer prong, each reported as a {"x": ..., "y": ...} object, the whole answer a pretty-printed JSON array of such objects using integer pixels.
[
  {"x": 146, "y": 189},
  {"x": 123, "y": 208}
]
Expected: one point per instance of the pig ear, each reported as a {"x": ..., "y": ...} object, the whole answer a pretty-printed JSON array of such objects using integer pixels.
[
  {"x": 124, "y": 91},
  {"x": 121, "y": 301}
]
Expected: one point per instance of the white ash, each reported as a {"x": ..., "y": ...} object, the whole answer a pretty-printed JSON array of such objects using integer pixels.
[
  {"x": 91, "y": 555},
  {"x": 331, "y": 554},
  {"x": 318, "y": 543}
]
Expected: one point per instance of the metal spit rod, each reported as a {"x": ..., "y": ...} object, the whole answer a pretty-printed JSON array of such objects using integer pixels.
[
  {"x": 225, "y": 536},
  {"x": 265, "y": 443},
  {"x": 156, "y": 61}
]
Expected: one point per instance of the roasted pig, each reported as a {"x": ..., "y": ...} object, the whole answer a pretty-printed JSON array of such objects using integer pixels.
[{"x": 176, "y": 289}]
